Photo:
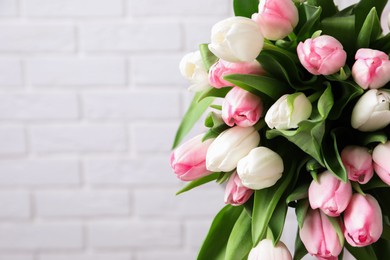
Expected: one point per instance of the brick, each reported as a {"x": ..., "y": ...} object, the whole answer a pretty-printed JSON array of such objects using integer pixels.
[
  {"x": 77, "y": 71},
  {"x": 147, "y": 70},
  {"x": 134, "y": 105},
  {"x": 16, "y": 256},
  {"x": 145, "y": 234},
  {"x": 8, "y": 8},
  {"x": 14, "y": 204},
  {"x": 39, "y": 172},
  {"x": 40, "y": 236},
  {"x": 147, "y": 139},
  {"x": 93, "y": 256},
  {"x": 196, "y": 232},
  {"x": 10, "y": 72},
  {"x": 82, "y": 203},
  {"x": 198, "y": 32},
  {"x": 12, "y": 140},
  {"x": 174, "y": 255},
  {"x": 36, "y": 38},
  {"x": 38, "y": 106},
  {"x": 143, "y": 36},
  {"x": 58, "y": 8},
  {"x": 125, "y": 172},
  {"x": 177, "y": 7},
  {"x": 201, "y": 202},
  {"x": 78, "y": 138}
]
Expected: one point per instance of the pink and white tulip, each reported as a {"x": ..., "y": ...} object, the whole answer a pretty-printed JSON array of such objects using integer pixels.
[
  {"x": 329, "y": 194},
  {"x": 235, "y": 193},
  {"x": 241, "y": 107},
  {"x": 223, "y": 68},
  {"x": 381, "y": 155},
  {"x": 276, "y": 18},
  {"x": 188, "y": 161},
  {"x": 363, "y": 221},
  {"x": 371, "y": 69},
  {"x": 357, "y": 161},
  {"x": 319, "y": 236},
  {"x": 266, "y": 250},
  {"x": 192, "y": 68},
  {"x": 323, "y": 55}
]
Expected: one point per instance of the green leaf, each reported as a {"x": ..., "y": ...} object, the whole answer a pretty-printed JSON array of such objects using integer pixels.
[
  {"x": 374, "y": 183},
  {"x": 245, "y": 7},
  {"x": 362, "y": 253},
  {"x": 336, "y": 225},
  {"x": 193, "y": 114},
  {"x": 214, "y": 246},
  {"x": 362, "y": 9},
  {"x": 224, "y": 176},
  {"x": 372, "y": 138},
  {"x": 313, "y": 14},
  {"x": 300, "y": 249},
  {"x": 266, "y": 201},
  {"x": 382, "y": 249},
  {"x": 298, "y": 194},
  {"x": 325, "y": 103},
  {"x": 198, "y": 182},
  {"x": 344, "y": 93},
  {"x": 342, "y": 28},
  {"x": 370, "y": 31},
  {"x": 386, "y": 231},
  {"x": 240, "y": 240},
  {"x": 382, "y": 44},
  {"x": 207, "y": 56},
  {"x": 276, "y": 223},
  {"x": 301, "y": 210},
  {"x": 328, "y": 8},
  {"x": 215, "y": 92}
]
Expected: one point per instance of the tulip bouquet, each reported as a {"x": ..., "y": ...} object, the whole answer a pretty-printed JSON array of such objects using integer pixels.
[{"x": 296, "y": 103}]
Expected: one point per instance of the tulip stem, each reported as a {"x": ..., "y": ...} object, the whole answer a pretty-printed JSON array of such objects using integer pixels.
[
  {"x": 292, "y": 36},
  {"x": 357, "y": 188}
]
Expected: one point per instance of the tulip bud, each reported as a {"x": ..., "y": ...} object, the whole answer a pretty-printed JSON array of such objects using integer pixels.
[
  {"x": 260, "y": 169},
  {"x": 323, "y": 55},
  {"x": 241, "y": 107},
  {"x": 358, "y": 163},
  {"x": 267, "y": 251},
  {"x": 229, "y": 147},
  {"x": 381, "y": 157},
  {"x": 319, "y": 236},
  {"x": 371, "y": 69},
  {"x": 276, "y": 18},
  {"x": 362, "y": 220},
  {"x": 222, "y": 68},
  {"x": 235, "y": 193},
  {"x": 372, "y": 111},
  {"x": 288, "y": 111},
  {"x": 329, "y": 194},
  {"x": 192, "y": 68},
  {"x": 188, "y": 161},
  {"x": 236, "y": 39}
]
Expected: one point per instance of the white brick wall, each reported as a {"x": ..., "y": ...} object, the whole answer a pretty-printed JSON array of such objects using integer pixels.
[{"x": 90, "y": 99}]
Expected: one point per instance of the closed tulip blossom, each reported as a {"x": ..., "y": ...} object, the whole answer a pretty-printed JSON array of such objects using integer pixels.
[
  {"x": 357, "y": 161},
  {"x": 372, "y": 111},
  {"x": 229, "y": 147},
  {"x": 363, "y": 221},
  {"x": 282, "y": 116},
  {"x": 188, "y": 161},
  {"x": 323, "y": 55},
  {"x": 319, "y": 236},
  {"x": 276, "y": 18},
  {"x": 260, "y": 169},
  {"x": 235, "y": 193},
  {"x": 381, "y": 157},
  {"x": 329, "y": 194},
  {"x": 267, "y": 251},
  {"x": 241, "y": 107},
  {"x": 192, "y": 68},
  {"x": 236, "y": 39},
  {"x": 223, "y": 68},
  {"x": 371, "y": 69}
]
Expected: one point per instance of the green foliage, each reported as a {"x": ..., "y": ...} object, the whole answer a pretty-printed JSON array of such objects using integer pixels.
[
  {"x": 240, "y": 240},
  {"x": 207, "y": 56},
  {"x": 300, "y": 249},
  {"x": 245, "y": 7},
  {"x": 198, "y": 182},
  {"x": 370, "y": 30}
]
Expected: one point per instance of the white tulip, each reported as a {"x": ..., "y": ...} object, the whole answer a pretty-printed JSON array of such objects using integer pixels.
[
  {"x": 192, "y": 68},
  {"x": 229, "y": 147},
  {"x": 265, "y": 250},
  {"x": 283, "y": 115},
  {"x": 372, "y": 111},
  {"x": 236, "y": 39},
  {"x": 260, "y": 169}
]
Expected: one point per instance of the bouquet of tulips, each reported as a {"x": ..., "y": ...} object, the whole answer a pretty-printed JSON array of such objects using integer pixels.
[{"x": 295, "y": 97}]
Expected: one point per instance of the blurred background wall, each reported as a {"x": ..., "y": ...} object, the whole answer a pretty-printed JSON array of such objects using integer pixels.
[{"x": 90, "y": 99}]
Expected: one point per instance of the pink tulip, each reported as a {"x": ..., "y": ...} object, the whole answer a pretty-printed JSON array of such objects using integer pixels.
[
  {"x": 235, "y": 193},
  {"x": 323, "y": 55},
  {"x": 241, "y": 107},
  {"x": 319, "y": 236},
  {"x": 276, "y": 18},
  {"x": 329, "y": 194},
  {"x": 357, "y": 161},
  {"x": 362, "y": 220},
  {"x": 223, "y": 68},
  {"x": 371, "y": 69},
  {"x": 188, "y": 161},
  {"x": 381, "y": 157}
]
